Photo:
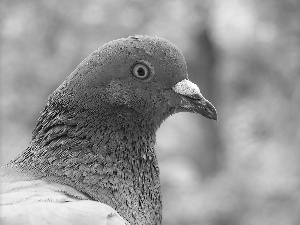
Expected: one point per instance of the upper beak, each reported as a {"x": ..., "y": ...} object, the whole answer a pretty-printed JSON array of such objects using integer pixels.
[{"x": 193, "y": 101}]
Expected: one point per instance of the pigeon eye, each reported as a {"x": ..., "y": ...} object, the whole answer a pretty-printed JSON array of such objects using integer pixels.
[{"x": 140, "y": 71}]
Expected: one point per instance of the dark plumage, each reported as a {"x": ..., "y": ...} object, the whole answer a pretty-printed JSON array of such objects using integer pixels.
[{"x": 94, "y": 141}]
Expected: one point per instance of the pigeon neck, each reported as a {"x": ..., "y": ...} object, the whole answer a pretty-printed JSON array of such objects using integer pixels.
[{"x": 108, "y": 157}]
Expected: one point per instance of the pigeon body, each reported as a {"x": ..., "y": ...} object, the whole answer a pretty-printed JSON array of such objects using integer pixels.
[{"x": 92, "y": 158}]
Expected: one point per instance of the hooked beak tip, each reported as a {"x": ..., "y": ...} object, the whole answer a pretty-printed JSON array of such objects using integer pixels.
[{"x": 211, "y": 111}]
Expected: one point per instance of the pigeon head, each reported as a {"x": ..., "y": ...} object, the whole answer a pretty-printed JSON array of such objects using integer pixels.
[{"x": 140, "y": 75}]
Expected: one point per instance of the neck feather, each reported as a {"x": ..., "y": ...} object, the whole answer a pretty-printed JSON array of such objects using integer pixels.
[{"x": 108, "y": 157}]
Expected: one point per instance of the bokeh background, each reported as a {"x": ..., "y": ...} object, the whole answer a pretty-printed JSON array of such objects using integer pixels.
[{"x": 244, "y": 55}]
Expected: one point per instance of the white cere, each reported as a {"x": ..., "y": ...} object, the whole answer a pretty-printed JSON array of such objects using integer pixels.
[{"x": 186, "y": 87}]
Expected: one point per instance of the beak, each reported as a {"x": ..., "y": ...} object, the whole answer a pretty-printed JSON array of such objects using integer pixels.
[{"x": 193, "y": 101}]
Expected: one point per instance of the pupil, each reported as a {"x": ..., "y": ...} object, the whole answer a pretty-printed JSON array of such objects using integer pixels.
[{"x": 141, "y": 72}]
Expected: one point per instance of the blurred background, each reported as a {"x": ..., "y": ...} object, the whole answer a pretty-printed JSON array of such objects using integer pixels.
[{"x": 243, "y": 54}]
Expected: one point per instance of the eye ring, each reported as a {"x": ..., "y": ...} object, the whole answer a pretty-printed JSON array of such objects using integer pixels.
[{"x": 140, "y": 71}]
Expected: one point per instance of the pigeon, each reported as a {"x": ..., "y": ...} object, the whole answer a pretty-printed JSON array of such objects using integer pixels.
[{"x": 92, "y": 159}]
